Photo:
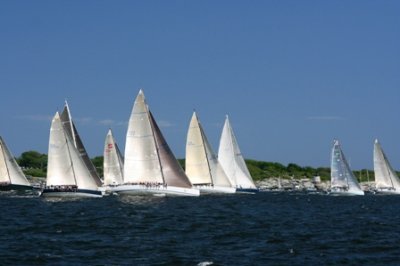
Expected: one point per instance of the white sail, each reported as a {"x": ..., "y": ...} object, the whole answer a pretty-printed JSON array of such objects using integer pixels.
[
  {"x": 342, "y": 178},
  {"x": 231, "y": 159},
  {"x": 385, "y": 176},
  {"x": 10, "y": 172},
  {"x": 142, "y": 162},
  {"x": 113, "y": 162},
  {"x": 196, "y": 162},
  {"x": 71, "y": 130},
  {"x": 202, "y": 165},
  {"x": 65, "y": 165}
]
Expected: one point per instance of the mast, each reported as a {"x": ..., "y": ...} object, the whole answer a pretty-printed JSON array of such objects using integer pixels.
[
  {"x": 149, "y": 117},
  {"x": 204, "y": 147},
  {"x": 70, "y": 125},
  {"x": 69, "y": 156},
  {"x": 71, "y": 130}
]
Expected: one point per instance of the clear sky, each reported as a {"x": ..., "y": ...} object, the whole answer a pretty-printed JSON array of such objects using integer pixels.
[{"x": 292, "y": 75}]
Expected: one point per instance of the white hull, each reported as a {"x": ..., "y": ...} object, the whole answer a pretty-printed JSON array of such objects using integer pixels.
[
  {"x": 70, "y": 194},
  {"x": 215, "y": 189},
  {"x": 346, "y": 193},
  {"x": 146, "y": 190},
  {"x": 387, "y": 191}
]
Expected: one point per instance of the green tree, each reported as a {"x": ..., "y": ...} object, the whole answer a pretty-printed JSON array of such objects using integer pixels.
[
  {"x": 98, "y": 164},
  {"x": 33, "y": 159}
]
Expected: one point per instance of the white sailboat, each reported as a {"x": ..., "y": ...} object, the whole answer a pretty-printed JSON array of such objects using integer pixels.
[
  {"x": 70, "y": 128},
  {"x": 386, "y": 179},
  {"x": 232, "y": 161},
  {"x": 201, "y": 164},
  {"x": 150, "y": 166},
  {"x": 11, "y": 175},
  {"x": 343, "y": 181},
  {"x": 113, "y": 166},
  {"x": 67, "y": 173}
]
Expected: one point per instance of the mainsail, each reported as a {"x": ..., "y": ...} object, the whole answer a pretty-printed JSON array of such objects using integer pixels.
[
  {"x": 232, "y": 160},
  {"x": 341, "y": 174},
  {"x": 71, "y": 130},
  {"x": 385, "y": 176},
  {"x": 148, "y": 158},
  {"x": 65, "y": 165},
  {"x": 202, "y": 166},
  {"x": 10, "y": 172},
  {"x": 113, "y": 161}
]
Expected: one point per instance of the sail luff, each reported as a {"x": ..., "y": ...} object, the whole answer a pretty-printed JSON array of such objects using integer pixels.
[
  {"x": 70, "y": 156},
  {"x": 207, "y": 151},
  {"x": 153, "y": 126}
]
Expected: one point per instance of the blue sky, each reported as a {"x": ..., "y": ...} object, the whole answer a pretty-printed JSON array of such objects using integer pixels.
[{"x": 292, "y": 75}]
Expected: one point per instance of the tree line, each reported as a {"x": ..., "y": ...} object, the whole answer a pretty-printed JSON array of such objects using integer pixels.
[{"x": 34, "y": 163}]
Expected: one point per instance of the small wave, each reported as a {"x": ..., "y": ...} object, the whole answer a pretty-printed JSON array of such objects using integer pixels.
[{"x": 205, "y": 263}]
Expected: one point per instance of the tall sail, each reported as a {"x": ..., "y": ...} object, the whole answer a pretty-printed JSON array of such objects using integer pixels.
[
  {"x": 385, "y": 176},
  {"x": 71, "y": 130},
  {"x": 142, "y": 162},
  {"x": 10, "y": 172},
  {"x": 150, "y": 167},
  {"x": 65, "y": 165},
  {"x": 113, "y": 161},
  {"x": 196, "y": 162},
  {"x": 232, "y": 160},
  {"x": 171, "y": 169},
  {"x": 341, "y": 174},
  {"x": 202, "y": 166}
]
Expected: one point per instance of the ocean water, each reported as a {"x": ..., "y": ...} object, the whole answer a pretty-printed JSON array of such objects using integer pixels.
[{"x": 262, "y": 229}]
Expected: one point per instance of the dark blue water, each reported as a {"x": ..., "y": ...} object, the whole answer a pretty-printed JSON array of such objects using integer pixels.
[{"x": 262, "y": 229}]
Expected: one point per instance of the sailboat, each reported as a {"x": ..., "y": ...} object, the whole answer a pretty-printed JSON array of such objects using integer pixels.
[
  {"x": 201, "y": 164},
  {"x": 11, "y": 175},
  {"x": 343, "y": 181},
  {"x": 386, "y": 179},
  {"x": 67, "y": 173},
  {"x": 150, "y": 167},
  {"x": 71, "y": 130},
  {"x": 232, "y": 161},
  {"x": 113, "y": 166}
]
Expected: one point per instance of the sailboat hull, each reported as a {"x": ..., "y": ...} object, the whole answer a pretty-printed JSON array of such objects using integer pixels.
[
  {"x": 340, "y": 192},
  {"x": 387, "y": 191},
  {"x": 79, "y": 193},
  {"x": 208, "y": 189},
  {"x": 247, "y": 190},
  {"x": 15, "y": 187},
  {"x": 154, "y": 189}
]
